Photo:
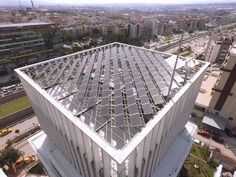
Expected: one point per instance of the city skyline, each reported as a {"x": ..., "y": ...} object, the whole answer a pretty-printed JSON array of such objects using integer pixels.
[{"x": 94, "y": 2}]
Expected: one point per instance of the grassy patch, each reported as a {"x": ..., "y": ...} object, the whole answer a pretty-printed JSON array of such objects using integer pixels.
[
  {"x": 199, "y": 151},
  {"x": 167, "y": 38},
  {"x": 203, "y": 169},
  {"x": 37, "y": 169},
  {"x": 194, "y": 167},
  {"x": 14, "y": 106}
]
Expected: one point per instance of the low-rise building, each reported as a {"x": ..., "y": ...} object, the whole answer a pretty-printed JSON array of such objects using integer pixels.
[
  {"x": 205, "y": 93},
  {"x": 218, "y": 48}
]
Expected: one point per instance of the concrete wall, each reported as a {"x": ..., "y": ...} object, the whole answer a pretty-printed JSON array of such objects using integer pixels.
[
  {"x": 11, "y": 97},
  {"x": 16, "y": 116}
]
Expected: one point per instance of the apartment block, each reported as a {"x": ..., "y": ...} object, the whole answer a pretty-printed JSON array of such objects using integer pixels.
[
  {"x": 218, "y": 48},
  {"x": 152, "y": 26},
  {"x": 25, "y": 43},
  {"x": 133, "y": 30},
  {"x": 25, "y": 38},
  {"x": 224, "y": 93}
]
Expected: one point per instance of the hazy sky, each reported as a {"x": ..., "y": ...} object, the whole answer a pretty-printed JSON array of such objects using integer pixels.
[{"x": 49, "y": 2}]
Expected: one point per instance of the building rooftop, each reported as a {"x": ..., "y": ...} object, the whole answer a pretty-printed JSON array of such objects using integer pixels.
[
  {"x": 14, "y": 25},
  {"x": 115, "y": 89},
  {"x": 204, "y": 95}
]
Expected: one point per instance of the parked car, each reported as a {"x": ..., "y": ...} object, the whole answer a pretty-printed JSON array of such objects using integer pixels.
[
  {"x": 5, "y": 131},
  {"x": 197, "y": 141},
  {"x": 228, "y": 132},
  {"x": 204, "y": 133}
]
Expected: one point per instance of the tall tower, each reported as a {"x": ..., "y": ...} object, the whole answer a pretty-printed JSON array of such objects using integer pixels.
[
  {"x": 32, "y": 3},
  {"x": 19, "y": 4}
]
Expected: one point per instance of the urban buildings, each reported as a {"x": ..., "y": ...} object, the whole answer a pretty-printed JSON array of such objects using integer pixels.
[
  {"x": 152, "y": 25},
  {"x": 217, "y": 48},
  {"x": 24, "y": 38},
  {"x": 215, "y": 103},
  {"x": 223, "y": 96},
  {"x": 27, "y": 43},
  {"x": 106, "y": 112},
  {"x": 133, "y": 30}
]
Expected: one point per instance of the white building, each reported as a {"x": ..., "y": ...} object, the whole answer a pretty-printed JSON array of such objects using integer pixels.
[
  {"x": 106, "y": 112},
  {"x": 224, "y": 93},
  {"x": 218, "y": 48},
  {"x": 133, "y": 30},
  {"x": 152, "y": 25}
]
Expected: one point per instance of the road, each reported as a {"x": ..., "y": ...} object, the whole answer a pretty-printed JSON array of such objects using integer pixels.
[
  {"x": 197, "y": 45},
  {"x": 184, "y": 41},
  {"x": 25, "y": 147},
  {"x": 21, "y": 126},
  {"x": 227, "y": 149}
]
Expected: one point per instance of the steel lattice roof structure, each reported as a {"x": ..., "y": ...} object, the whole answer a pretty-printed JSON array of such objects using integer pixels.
[{"x": 115, "y": 89}]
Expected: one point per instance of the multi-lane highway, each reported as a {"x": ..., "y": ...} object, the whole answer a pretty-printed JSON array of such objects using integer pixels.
[
  {"x": 176, "y": 44},
  {"x": 198, "y": 45},
  {"x": 22, "y": 126}
]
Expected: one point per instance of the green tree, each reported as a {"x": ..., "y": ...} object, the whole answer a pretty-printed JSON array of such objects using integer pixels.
[
  {"x": 9, "y": 156},
  {"x": 95, "y": 32},
  {"x": 9, "y": 143},
  {"x": 51, "y": 34},
  {"x": 67, "y": 37},
  {"x": 190, "y": 31}
]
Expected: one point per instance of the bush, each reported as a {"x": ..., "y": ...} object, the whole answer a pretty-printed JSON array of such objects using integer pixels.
[
  {"x": 37, "y": 169},
  {"x": 26, "y": 134},
  {"x": 9, "y": 156}
]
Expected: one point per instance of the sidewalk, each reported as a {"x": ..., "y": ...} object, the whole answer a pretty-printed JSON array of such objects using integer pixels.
[{"x": 228, "y": 149}]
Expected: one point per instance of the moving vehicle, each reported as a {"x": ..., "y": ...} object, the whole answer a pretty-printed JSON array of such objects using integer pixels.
[{"x": 5, "y": 131}]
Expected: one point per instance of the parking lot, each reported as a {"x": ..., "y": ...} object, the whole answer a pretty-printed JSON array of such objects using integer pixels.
[{"x": 10, "y": 89}]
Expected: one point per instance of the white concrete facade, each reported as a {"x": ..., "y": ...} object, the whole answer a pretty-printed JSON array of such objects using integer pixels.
[
  {"x": 223, "y": 96},
  {"x": 91, "y": 155},
  {"x": 57, "y": 165}
]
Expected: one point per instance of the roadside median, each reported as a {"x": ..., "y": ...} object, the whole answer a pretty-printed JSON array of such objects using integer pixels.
[{"x": 14, "y": 111}]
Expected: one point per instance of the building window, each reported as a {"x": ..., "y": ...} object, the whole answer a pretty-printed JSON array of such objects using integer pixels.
[{"x": 231, "y": 118}]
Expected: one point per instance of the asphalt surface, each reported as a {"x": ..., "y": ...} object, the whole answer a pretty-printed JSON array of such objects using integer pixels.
[
  {"x": 227, "y": 149},
  {"x": 198, "y": 45},
  {"x": 24, "y": 125},
  {"x": 25, "y": 147},
  {"x": 171, "y": 46}
]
